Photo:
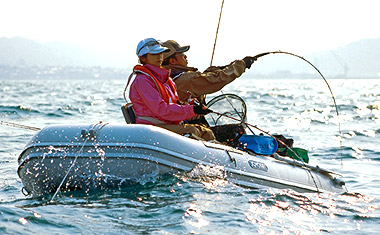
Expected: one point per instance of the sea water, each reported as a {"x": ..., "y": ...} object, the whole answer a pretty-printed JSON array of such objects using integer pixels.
[{"x": 203, "y": 201}]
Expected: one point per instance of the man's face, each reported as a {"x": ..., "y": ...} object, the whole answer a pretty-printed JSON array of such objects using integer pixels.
[{"x": 180, "y": 59}]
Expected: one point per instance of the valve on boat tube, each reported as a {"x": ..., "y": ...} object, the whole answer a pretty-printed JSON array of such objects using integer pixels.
[
  {"x": 25, "y": 192},
  {"x": 339, "y": 182},
  {"x": 89, "y": 134}
]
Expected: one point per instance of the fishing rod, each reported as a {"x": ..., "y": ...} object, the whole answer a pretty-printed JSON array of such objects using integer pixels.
[
  {"x": 319, "y": 72},
  {"x": 12, "y": 124},
  {"x": 212, "y": 57},
  {"x": 216, "y": 34},
  {"x": 288, "y": 53},
  {"x": 328, "y": 85}
]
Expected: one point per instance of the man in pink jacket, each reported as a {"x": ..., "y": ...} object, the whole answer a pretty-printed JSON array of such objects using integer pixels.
[{"x": 154, "y": 95}]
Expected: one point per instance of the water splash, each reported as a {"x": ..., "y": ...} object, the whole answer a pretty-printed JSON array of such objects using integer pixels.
[{"x": 211, "y": 177}]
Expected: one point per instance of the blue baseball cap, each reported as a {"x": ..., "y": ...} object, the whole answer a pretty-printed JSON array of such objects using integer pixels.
[{"x": 151, "y": 46}]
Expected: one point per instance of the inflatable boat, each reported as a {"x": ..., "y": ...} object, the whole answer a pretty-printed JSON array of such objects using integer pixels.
[{"x": 78, "y": 157}]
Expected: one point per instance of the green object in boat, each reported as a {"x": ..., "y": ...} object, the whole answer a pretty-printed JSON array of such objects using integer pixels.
[{"x": 302, "y": 153}]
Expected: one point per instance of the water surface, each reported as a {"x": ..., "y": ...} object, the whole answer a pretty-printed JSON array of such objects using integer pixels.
[{"x": 200, "y": 203}]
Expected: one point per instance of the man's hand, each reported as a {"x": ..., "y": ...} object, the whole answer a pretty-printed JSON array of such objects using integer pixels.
[
  {"x": 201, "y": 110},
  {"x": 249, "y": 61}
]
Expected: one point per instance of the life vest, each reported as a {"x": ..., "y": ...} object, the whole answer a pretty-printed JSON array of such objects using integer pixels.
[{"x": 160, "y": 87}]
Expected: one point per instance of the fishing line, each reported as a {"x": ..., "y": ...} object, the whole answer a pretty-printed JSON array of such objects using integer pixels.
[
  {"x": 237, "y": 112},
  {"x": 12, "y": 124},
  {"x": 332, "y": 95}
]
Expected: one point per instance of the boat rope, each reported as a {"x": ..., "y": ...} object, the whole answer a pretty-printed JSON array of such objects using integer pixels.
[
  {"x": 305, "y": 167},
  {"x": 88, "y": 135},
  {"x": 12, "y": 124},
  {"x": 216, "y": 34},
  {"x": 72, "y": 165}
]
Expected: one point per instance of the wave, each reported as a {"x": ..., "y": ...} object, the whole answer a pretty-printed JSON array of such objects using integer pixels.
[
  {"x": 16, "y": 109},
  {"x": 19, "y": 110},
  {"x": 347, "y": 152},
  {"x": 65, "y": 111},
  {"x": 347, "y": 107},
  {"x": 361, "y": 133}
]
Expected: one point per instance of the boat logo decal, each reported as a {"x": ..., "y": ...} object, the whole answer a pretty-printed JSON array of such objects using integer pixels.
[{"x": 258, "y": 165}]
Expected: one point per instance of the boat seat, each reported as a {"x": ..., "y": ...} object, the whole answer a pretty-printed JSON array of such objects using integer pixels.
[{"x": 129, "y": 113}]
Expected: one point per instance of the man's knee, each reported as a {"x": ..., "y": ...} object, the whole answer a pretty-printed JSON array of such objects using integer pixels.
[{"x": 193, "y": 129}]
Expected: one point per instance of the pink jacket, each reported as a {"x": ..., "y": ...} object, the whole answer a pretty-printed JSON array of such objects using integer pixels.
[{"x": 147, "y": 101}]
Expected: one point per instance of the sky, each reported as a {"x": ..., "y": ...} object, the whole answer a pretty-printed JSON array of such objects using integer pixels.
[{"x": 247, "y": 27}]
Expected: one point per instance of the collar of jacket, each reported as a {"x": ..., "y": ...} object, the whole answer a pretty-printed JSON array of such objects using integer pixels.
[
  {"x": 176, "y": 69},
  {"x": 160, "y": 85},
  {"x": 160, "y": 73}
]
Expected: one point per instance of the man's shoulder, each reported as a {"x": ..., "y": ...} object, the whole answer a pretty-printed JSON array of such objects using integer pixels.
[{"x": 186, "y": 75}]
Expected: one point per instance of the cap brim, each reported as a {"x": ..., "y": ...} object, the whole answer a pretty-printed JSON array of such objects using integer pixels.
[
  {"x": 183, "y": 49},
  {"x": 159, "y": 49},
  {"x": 173, "y": 50}
]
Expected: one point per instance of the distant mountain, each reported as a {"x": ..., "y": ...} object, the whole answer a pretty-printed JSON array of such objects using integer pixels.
[
  {"x": 24, "y": 52},
  {"x": 358, "y": 59}
]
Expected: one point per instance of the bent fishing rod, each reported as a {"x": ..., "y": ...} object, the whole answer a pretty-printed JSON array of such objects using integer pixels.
[
  {"x": 288, "y": 53},
  {"x": 319, "y": 72},
  {"x": 323, "y": 77}
]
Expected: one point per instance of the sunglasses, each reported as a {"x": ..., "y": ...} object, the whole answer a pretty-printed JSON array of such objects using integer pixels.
[{"x": 149, "y": 44}]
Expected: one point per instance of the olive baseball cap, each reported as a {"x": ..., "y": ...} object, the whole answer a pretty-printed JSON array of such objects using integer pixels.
[{"x": 173, "y": 47}]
